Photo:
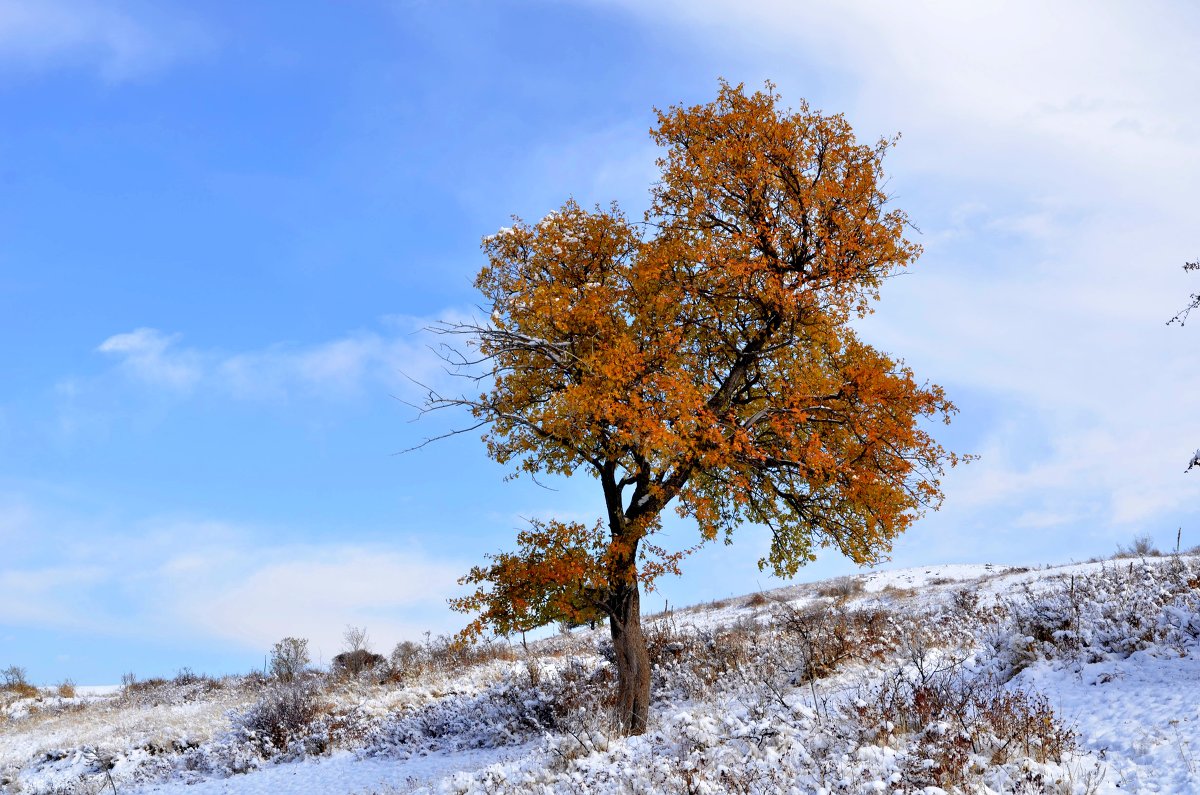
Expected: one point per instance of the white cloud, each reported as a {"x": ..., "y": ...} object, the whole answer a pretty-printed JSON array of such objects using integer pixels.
[
  {"x": 120, "y": 38},
  {"x": 16, "y": 519},
  {"x": 48, "y": 596},
  {"x": 336, "y": 369},
  {"x": 216, "y": 583},
  {"x": 149, "y": 355},
  {"x": 315, "y": 592}
]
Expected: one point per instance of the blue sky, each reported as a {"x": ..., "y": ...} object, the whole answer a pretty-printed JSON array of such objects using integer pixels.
[{"x": 222, "y": 226}]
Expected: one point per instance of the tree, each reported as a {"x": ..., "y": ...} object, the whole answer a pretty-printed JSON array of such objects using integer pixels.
[
  {"x": 1181, "y": 318},
  {"x": 703, "y": 359},
  {"x": 1193, "y": 299}
]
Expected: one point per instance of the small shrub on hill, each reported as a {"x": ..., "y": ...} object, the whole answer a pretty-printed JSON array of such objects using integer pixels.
[
  {"x": 15, "y": 682},
  {"x": 289, "y": 658},
  {"x": 1142, "y": 547},
  {"x": 283, "y": 715},
  {"x": 826, "y": 638},
  {"x": 357, "y": 663},
  {"x": 842, "y": 588},
  {"x": 756, "y": 599},
  {"x": 446, "y": 655},
  {"x": 404, "y": 661}
]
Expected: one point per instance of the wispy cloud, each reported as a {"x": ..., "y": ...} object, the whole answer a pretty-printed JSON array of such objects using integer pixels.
[
  {"x": 51, "y": 595},
  {"x": 121, "y": 39},
  {"x": 315, "y": 592},
  {"x": 150, "y": 355},
  {"x": 207, "y": 582},
  {"x": 394, "y": 359}
]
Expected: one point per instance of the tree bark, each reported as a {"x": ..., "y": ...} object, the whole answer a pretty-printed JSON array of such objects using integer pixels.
[
  {"x": 633, "y": 659},
  {"x": 625, "y": 609}
]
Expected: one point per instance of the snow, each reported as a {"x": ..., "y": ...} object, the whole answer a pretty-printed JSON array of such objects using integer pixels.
[
  {"x": 343, "y": 772},
  {"x": 737, "y": 705},
  {"x": 1140, "y": 715},
  {"x": 923, "y": 576}
]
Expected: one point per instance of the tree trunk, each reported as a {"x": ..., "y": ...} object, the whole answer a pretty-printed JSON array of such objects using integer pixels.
[{"x": 633, "y": 660}]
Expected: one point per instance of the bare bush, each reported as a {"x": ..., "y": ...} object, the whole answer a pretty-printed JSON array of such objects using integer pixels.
[
  {"x": 405, "y": 659},
  {"x": 896, "y": 593},
  {"x": 1142, "y": 547},
  {"x": 357, "y": 659},
  {"x": 15, "y": 682},
  {"x": 14, "y": 676},
  {"x": 447, "y": 655},
  {"x": 145, "y": 686},
  {"x": 842, "y": 588},
  {"x": 827, "y": 638},
  {"x": 289, "y": 658},
  {"x": 356, "y": 639},
  {"x": 357, "y": 663},
  {"x": 949, "y": 716},
  {"x": 965, "y": 601},
  {"x": 282, "y": 715}
]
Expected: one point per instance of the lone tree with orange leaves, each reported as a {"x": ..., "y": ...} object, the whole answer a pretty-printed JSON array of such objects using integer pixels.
[{"x": 704, "y": 360}]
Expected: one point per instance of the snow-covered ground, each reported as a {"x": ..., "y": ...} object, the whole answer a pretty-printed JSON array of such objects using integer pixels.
[{"x": 1071, "y": 679}]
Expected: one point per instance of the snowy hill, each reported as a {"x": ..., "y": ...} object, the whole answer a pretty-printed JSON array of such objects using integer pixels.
[{"x": 1072, "y": 679}]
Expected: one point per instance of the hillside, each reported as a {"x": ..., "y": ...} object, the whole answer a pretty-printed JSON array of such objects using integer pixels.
[{"x": 957, "y": 678}]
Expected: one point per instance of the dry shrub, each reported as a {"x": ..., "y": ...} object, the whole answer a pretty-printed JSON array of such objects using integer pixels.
[
  {"x": 283, "y": 714},
  {"x": 134, "y": 685},
  {"x": 948, "y": 718},
  {"x": 66, "y": 689},
  {"x": 16, "y": 683},
  {"x": 189, "y": 679},
  {"x": 690, "y": 661},
  {"x": 895, "y": 592},
  {"x": 23, "y": 690},
  {"x": 289, "y": 658},
  {"x": 13, "y": 675},
  {"x": 841, "y": 589},
  {"x": 965, "y": 601},
  {"x": 1114, "y": 611},
  {"x": 827, "y": 638},
  {"x": 579, "y": 693},
  {"x": 449, "y": 656},
  {"x": 404, "y": 661},
  {"x": 757, "y": 599},
  {"x": 151, "y": 692},
  {"x": 1141, "y": 547}
]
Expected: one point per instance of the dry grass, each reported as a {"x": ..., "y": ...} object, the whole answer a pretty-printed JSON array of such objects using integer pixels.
[
  {"x": 841, "y": 589},
  {"x": 896, "y": 593}
]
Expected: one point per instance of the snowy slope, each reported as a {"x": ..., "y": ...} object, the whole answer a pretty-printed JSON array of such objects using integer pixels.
[{"x": 971, "y": 678}]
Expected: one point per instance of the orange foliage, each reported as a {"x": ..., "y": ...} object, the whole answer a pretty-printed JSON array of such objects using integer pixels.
[
  {"x": 557, "y": 574},
  {"x": 705, "y": 359}
]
